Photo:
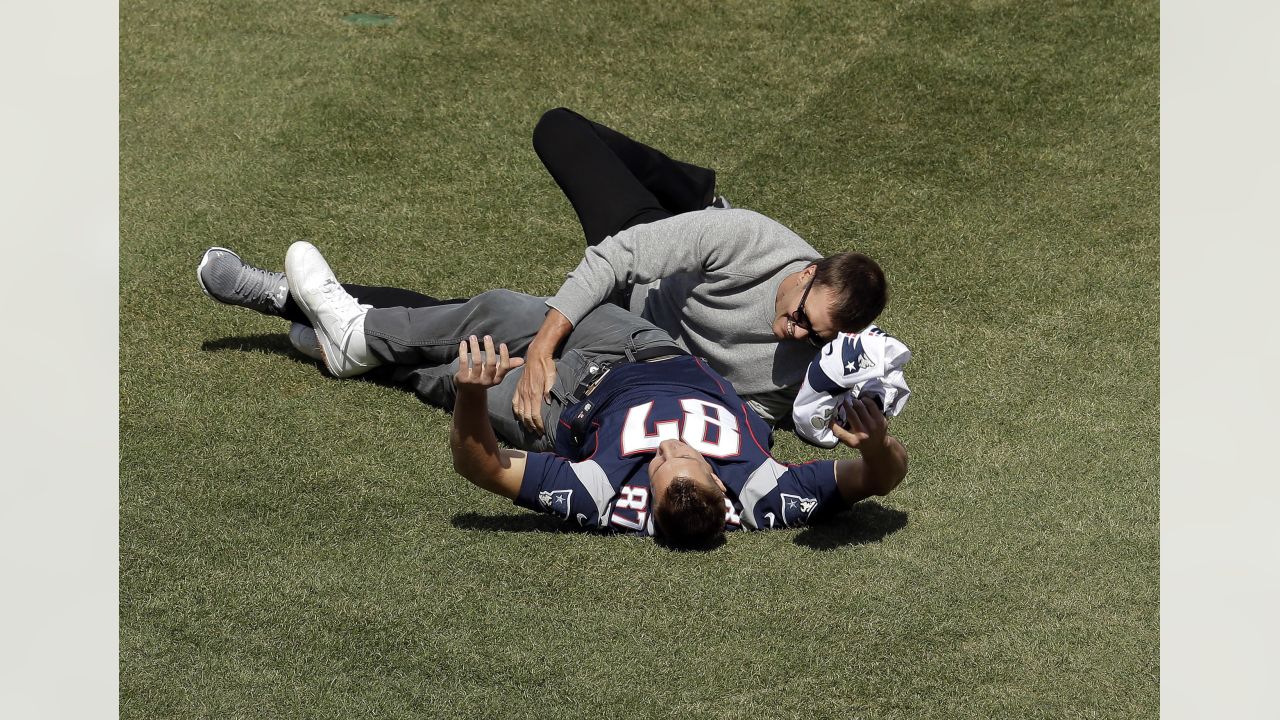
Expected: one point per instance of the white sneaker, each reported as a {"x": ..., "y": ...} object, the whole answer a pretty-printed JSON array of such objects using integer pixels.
[
  {"x": 304, "y": 340},
  {"x": 336, "y": 316}
]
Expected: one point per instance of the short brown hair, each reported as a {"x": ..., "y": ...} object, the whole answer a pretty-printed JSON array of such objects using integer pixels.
[
  {"x": 691, "y": 514},
  {"x": 859, "y": 287}
]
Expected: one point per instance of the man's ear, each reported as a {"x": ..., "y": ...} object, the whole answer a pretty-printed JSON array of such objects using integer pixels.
[{"x": 719, "y": 484}]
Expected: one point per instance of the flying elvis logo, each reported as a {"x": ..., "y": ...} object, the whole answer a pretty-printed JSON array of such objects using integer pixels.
[
  {"x": 796, "y": 509},
  {"x": 855, "y": 357},
  {"x": 556, "y": 502}
]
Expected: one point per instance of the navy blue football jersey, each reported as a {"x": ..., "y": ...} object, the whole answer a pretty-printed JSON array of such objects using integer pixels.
[{"x": 601, "y": 480}]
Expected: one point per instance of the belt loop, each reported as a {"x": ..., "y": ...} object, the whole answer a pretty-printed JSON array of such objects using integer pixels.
[
  {"x": 629, "y": 351},
  {"x": 564, "y": 398}
]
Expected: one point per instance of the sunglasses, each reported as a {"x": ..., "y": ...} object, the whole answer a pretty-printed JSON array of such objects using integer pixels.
[{"x": 800, "y": 319}]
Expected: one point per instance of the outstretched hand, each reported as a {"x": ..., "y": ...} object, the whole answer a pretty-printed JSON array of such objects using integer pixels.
[
  {"x": 476, "y": 371},
  {"x": 865, "y": 425}
]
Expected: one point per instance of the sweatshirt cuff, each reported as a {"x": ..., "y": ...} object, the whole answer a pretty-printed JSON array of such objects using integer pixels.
[{"x": 573, "y": 310}]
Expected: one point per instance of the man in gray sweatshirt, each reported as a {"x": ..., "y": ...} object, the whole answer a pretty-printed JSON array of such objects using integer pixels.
[{"x": 729, "y": 285}]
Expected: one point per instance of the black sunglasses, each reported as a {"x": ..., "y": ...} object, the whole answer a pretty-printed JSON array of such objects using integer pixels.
[{"x": 802, "y": 320}]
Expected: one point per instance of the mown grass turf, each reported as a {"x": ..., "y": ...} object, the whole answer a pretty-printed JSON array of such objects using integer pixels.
[{"x": 296, "y": 546}]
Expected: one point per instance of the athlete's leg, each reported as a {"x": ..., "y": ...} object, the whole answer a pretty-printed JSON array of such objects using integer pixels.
[{"x": 612, "y": 181}]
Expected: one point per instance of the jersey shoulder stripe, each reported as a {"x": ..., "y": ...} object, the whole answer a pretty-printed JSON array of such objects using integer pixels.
[
  {"x": 761, "y": 482},
  {"x": 596, "y": 483}
]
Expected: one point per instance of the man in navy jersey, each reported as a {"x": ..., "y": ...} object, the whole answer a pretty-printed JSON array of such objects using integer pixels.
[
  {"x": 667, "y": 446},
  {"x": 639, "y": 436}
]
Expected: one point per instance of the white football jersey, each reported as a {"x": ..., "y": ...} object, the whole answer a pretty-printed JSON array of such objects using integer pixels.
[{"x": 868, "y": 362}]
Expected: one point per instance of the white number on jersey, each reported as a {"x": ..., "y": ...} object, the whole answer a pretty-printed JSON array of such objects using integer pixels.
[
  {"x": 636, "y": 500},
  {"x": 694, "y": 428}
]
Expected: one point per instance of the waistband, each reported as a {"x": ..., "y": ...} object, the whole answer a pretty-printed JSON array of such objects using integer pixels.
[
  {"x": 599, "y": 370},
  {"x": 585, "y": 406}
]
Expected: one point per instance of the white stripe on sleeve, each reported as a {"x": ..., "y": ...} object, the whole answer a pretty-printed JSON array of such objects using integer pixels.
[
  {"x": 593, "y": 478},
  {"x": 762, "y": 481}
]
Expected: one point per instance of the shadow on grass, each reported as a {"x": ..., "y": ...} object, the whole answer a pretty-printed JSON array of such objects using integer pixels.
[
  {"x": 533, "y": 522},
  {"x": 517, "y": 523},
  {"x": 278, "y": 344},
  {"x": 867, "y": 522},
  {"x": 275, "y": 344}
]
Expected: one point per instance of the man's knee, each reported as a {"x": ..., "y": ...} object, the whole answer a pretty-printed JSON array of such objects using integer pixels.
[
  {"x": 556, "y": 125},
  {"x": 510, "y": 305}
]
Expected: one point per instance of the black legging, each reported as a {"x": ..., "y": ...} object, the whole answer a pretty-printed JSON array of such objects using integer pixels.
[{"x": 612, "y": 181}]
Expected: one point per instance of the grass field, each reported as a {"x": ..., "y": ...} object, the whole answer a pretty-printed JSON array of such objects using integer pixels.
[{"x": 296, "y": 546}]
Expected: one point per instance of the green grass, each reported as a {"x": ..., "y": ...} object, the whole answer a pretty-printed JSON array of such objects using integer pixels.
[{"x": 295, "y": 546}]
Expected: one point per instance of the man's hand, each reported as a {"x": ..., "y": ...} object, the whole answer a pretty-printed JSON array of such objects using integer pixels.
[
  {"x": 883, "y": 464},
  {"x": 477, "y": 372},
  {"x": 534, "y": 388},
  {"x": 866, "y": 424}
]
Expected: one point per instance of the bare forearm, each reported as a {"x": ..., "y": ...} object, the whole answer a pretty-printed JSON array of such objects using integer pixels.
[
  {"x": 471, "y": 440},
  {"x": 555, "y": 328},
  {"x": 885, "y": 466},
  {"x": 877, "y": 472}
]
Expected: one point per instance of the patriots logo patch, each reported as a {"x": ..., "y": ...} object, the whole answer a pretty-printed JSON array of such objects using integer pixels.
[
  {"x": 796, "y": 510},
  {"x": 855, "y": 356},
  {"x": 556, "y": 502}
]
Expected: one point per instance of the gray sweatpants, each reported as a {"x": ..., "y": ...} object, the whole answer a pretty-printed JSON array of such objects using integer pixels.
[{"x": 422, "y": 345}]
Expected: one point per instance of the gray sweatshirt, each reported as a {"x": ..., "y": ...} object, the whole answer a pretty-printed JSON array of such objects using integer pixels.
[{"x": 709, "y": 278}]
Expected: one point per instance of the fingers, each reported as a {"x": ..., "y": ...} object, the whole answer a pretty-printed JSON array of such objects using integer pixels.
[
  {"x": 525, "y": 404},
  {"x": 489, "y": 370},
  {"x": 855, "y": 421},
  {"x": 520, "y": 403},
  {"x": 464, "y": 363},
  {"x": 548, "y": 382},
  {"x": 508, "y": 362},
  {"x": 856, "y": 412},
  {"x": 843, "y": 435},
  {"x": 873, "y": 419},
  {"x": 480, "y": 363}
]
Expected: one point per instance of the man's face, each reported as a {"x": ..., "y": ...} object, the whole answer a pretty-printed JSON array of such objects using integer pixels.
[
  {"x": 805, "y": 313},
  {"x": 675, "y": 459}
]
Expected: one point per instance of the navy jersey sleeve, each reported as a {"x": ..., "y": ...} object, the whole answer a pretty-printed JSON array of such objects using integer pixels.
[
  {"x": 578, "y": 493},
  {"x": 778, "y": 496}
]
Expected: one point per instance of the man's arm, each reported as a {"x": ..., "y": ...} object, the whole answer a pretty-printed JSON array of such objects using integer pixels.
[
  {"x": 883, "y": 464},
  {"x": 689, "y": 242},
  {"x": 643, "y": 253},
  {"x": 476, "y": 455}
]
